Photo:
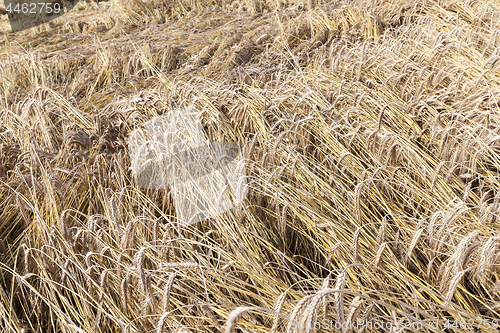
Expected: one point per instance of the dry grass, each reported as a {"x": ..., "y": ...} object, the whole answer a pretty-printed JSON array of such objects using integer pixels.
[{"x": 371, "y": 130}]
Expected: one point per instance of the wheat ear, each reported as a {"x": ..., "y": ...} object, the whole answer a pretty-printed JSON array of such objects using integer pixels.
[{"x": 278, "y": 306}]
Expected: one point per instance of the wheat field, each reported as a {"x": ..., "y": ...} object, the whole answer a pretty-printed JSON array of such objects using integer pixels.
[{"x": 371, "y": 133}]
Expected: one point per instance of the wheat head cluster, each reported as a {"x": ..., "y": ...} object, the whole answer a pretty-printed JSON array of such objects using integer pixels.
[{"x": 371, "y": 135}]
